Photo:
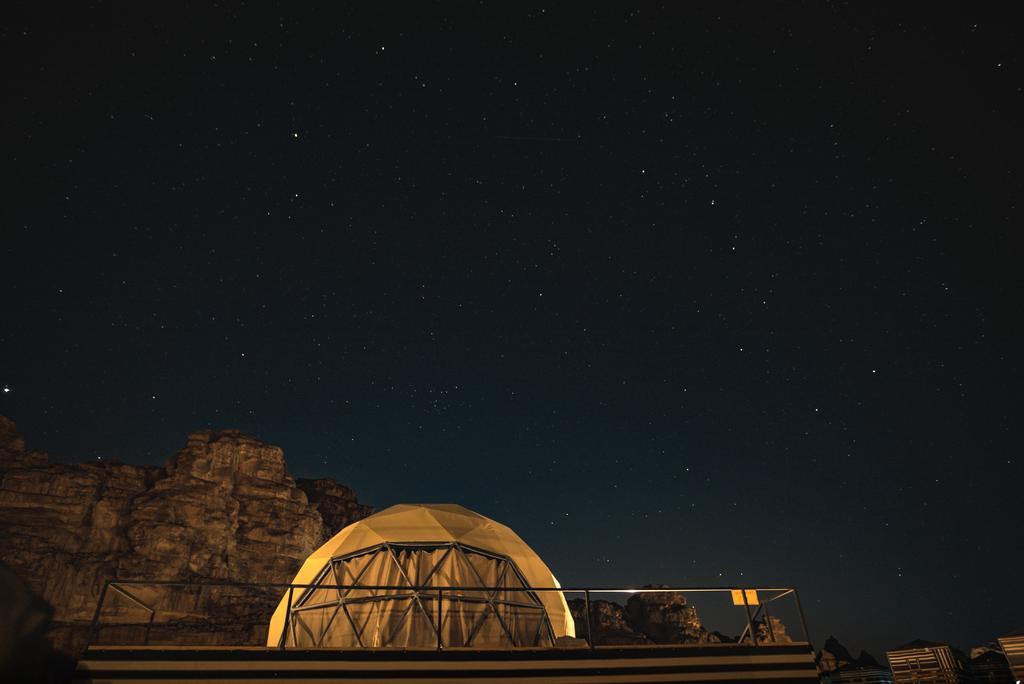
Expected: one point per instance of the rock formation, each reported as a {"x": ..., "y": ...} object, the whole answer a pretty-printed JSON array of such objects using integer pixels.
[
  {"x": 773, "y": 631},
  {"x": 609, "y": 623},
  {"x": 658, "y": 617},
  {"x": 336, "y": 503},
  {"x": 833, "y": 655},
  {"x": 25, "y": 653},
  {"x": 666, "y": 618},
  {"x": 834, "y": 658},
  {"x": 223, "y": 508}
]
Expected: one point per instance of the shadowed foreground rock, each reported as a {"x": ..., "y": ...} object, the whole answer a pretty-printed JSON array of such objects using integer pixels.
[
  {"x": 222, "y": 508},
  {"x": 25, "y": 653}
]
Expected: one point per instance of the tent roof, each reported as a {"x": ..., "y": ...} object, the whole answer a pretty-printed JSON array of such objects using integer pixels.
[{"x": 427, "y": 523}]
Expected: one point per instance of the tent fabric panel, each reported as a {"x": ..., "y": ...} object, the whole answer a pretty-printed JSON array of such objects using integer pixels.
[{"x": 341, "y": 633}]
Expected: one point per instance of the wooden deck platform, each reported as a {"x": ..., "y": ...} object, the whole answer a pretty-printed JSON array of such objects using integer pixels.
[{"x": 793, "y": 662}]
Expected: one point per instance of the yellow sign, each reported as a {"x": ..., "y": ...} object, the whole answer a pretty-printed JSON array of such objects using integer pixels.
[{"x": 737, "y": 597}]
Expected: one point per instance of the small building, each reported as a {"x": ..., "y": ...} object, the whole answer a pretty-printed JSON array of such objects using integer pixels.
[
  {"x": 1013, "y": 648},
  {"x": 927, "y": 661}
]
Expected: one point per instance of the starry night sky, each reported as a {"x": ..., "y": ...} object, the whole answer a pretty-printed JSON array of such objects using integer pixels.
[{"x": 689, "y": 296}]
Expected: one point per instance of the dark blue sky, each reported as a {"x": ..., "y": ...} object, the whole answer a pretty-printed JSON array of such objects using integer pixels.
[{"x": 678, "y": 294}]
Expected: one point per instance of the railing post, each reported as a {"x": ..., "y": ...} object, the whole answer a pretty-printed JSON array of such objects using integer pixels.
[
  {"x": 94, "y": 626},
  {"x": 803, "y": 620},
  {"x": 590, "y": 634},
  {"x": 768, "y": 621},
  {"x": 750, "y": 619},
  {"x": 440, "y": 593},
  {"x": 287, "y": 618}
]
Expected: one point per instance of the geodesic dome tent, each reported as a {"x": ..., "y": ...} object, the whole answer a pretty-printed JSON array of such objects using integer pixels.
[{"x": 451, "y": 575}]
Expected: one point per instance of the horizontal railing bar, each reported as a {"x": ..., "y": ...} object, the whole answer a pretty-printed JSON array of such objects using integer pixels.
[
  {"x": 406, "y": 587},
  {"x": 122, "y": 592},
  {"x": 408, "y": 597},
  {"x": 429, "y": 593}
]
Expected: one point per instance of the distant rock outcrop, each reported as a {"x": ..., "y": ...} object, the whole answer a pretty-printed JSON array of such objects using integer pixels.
[
  {"x": 657, "y": 617},
  {"x": 835, "y": 658},
  {"x": 772, "y": 631},
  {"x": 223, "y": 508},
  {"x": 667, "y": 618},
  {"x": 834, "y": 655},
  {"x": 609, "y": 623}
]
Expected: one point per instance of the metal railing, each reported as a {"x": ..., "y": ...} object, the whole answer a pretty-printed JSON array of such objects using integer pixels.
[{"x": 766, "y": 595}]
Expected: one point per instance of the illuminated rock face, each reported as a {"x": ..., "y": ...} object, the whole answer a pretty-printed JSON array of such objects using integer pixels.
[{"x": 224, "y": 507}]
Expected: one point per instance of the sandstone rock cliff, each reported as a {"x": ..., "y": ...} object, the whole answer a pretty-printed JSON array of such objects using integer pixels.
[
  {"x": 222, "y": 508},
  {"x": 337, "y": 503}
]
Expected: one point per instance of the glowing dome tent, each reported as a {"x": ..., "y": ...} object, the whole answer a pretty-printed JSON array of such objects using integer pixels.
[{"x": 428, "y": 548}]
